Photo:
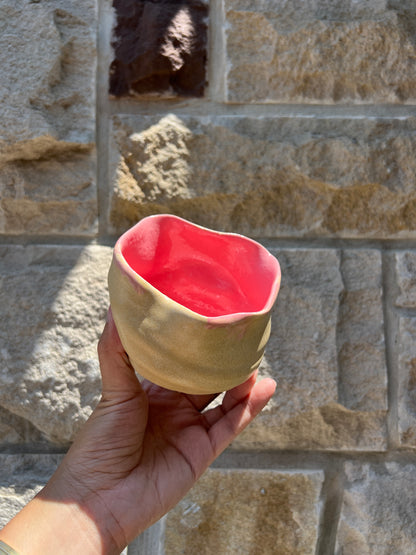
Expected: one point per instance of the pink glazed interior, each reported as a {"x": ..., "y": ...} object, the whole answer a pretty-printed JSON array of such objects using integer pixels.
[{"x": 211, "y": 273}]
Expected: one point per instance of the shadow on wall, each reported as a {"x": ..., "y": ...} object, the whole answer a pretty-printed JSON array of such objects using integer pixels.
[
  {"x": 159, "y": 47},
  {"x": 54, "y": 301}
]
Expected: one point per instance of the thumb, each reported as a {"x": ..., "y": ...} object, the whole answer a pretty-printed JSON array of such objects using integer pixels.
[
  {"x": 118, "y": 376},
  {"x": 235, "y": 416}
]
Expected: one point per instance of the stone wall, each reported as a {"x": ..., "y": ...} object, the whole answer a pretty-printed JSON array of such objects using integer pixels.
[{"x": 291, "y": 122}]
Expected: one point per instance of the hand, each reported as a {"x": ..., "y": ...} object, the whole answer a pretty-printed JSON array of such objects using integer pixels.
[{"x": 144, "y": 446}]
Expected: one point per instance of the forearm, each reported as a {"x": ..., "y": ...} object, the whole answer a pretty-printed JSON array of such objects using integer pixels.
[{"x": 51, "y": 524}]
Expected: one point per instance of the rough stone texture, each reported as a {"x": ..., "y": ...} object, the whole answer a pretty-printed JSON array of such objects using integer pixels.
[
  {"x": 404, "y": 299},
  {"x": 362, "y": 373},
  {"x": 407, "y": 381},
  {"x": 21, "y": 477},
  {"x": 47, "y": 89},
  {"x": 15, "y": 431},
  {"x": 378, "y": 510},
  {"x": 322, "y": 337},
  {"x": 54, "y": 194},
  {"x": 247, "y": 512},
  {"x": 309, "y": 176},
  {"x": 159, "y": 47},
  {"x": 405, "y": 270},
  {"x": 47, "y": 94},
  {"x": 54, "y": 302},
  {"x": 320, "y": 51}
]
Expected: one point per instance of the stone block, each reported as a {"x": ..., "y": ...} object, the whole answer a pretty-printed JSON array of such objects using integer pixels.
[
  {"x": 407, "y": 381},
  {"x": 377, "y": 513},
  {"x": 247, "y": 511},
  {"x": 47, "y": 128},
  {"x": 21, "y": 478},
  {"x": 56, "y": 194},
  {"x": 54, "y": 301},
  {"x": 320, "y": 52},
  {"x": 267, "y": 177},
  {"x": 48, "y": 70},
  {"x": 159, "y": 48},
  {"x": 322, "y": 338}
]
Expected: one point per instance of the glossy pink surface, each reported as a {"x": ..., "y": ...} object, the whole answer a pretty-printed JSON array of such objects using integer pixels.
[{"x": 211, "y": 273}]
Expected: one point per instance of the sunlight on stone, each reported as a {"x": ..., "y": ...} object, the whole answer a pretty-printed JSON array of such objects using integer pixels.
[{"x": 180, "y": 32}]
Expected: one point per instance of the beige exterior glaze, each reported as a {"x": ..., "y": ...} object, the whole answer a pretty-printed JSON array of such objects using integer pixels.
[{"x": 177, "y": 348}]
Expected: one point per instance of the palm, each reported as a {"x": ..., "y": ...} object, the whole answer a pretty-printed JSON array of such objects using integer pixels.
[{"x": 147, "y": 445}]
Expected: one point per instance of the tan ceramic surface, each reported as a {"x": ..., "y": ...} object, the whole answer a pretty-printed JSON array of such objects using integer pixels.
[{"x": 177, "y": 348}]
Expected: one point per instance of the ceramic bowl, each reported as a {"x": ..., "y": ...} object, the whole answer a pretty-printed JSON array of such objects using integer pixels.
[{"x": 192, "y": 305}]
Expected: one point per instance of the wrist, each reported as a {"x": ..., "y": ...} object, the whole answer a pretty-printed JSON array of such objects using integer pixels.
[
  {"x": 89, "y": 512},
  {"x": 62, "y": 519}
]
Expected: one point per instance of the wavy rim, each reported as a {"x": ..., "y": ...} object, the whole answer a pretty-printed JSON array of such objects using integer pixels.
[{"x": 223, "y": 318}]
